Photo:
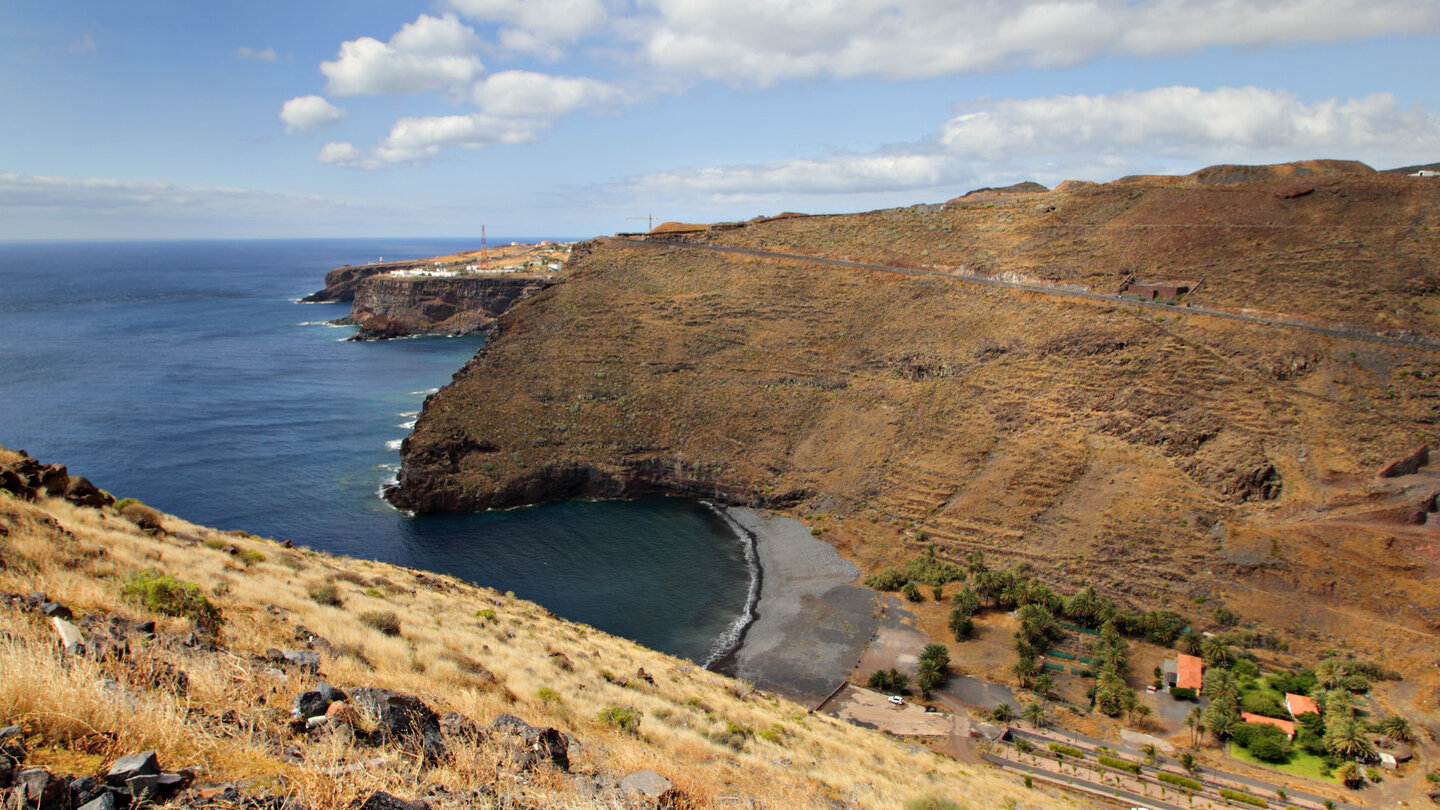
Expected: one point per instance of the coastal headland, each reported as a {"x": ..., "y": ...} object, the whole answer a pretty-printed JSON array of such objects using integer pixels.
[
  {"x": 1017, "y": 374},
  {"x": 455, "y": 294}
]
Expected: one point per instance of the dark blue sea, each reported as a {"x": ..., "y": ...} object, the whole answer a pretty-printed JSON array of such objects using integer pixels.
[{"x": 186, "y": 374}]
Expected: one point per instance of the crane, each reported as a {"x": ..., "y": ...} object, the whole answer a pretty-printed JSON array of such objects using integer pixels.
[{"x": 650, "y": 221}]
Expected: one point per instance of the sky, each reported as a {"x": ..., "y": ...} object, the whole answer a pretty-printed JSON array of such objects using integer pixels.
[{"x": 569, "y": 118}]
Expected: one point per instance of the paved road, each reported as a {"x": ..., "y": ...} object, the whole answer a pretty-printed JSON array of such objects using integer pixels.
[{"x": 1409, "y": 342}]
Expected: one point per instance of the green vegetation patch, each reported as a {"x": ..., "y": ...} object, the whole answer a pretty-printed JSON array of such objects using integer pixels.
[
  {"x": 1182, "y": 782},
  {"x": 1243, "y": 798},
  {"x": 165, "y": 594},
  {"x": 1066, "y": 750},
  {"x": 1120, "y": 764},
  {"x": 627, "y": 719},
  {"x": 1301, "y": 763}
]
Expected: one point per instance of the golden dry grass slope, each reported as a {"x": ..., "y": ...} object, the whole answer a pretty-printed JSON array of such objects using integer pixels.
[
  {"x": 1167, "y": 456},
  {"x": 459, "y": 648}
]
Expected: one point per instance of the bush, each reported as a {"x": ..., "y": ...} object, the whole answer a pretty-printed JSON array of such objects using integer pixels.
[
  {"x": 912, "y": 593},
  {"x": 383, "y": 620},
  {"x": 1264, "y": 702},
  {"x": 326, "y": 594},
  {"x": 1245, "y": 668},
  {"x": 927, "y": 570},
  {"x": 890, "y": 579},
  {"x": 627, "y": 719},
  {"x": 1179, "y": 693},
  {"x": 1243, "y": 798},
  {"x": 165, "y": 594},
  {"x": 1119, "y": 764},
  {"x": 547, "y": 695},
  {"x": 1067, "y": 750},
  {"x": 1182, "y": 782},
  {"x": 1270, "y": 747},
  {"x": 892, "y": 681}
]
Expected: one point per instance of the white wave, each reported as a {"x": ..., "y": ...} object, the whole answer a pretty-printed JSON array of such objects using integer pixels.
[
  {"x": 408, "y": 414},
  {"x": 330, "y": 324},
  {"x": 729, "y": 639},
  {"x": 406, "y": 425},
  {"x": 427, "y": 392},
  {"x": 394, "y": 444}
]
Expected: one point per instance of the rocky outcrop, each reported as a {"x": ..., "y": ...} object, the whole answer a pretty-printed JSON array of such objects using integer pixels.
[
  {"x": 397, "y": 306},
  {"x": 342, "y": 282},
  {"x": 28, "y": 479},
  {"x": 1407, "y": 464}
]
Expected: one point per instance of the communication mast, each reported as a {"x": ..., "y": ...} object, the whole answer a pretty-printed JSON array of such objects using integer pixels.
[{"x": 483, "y": 255}]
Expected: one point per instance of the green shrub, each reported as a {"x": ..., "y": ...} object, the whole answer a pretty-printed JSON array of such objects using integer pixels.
[
  {"x": 1243, "y": 798},
  {"x": 124, "y": 502},
  {"x": 1245, "y": 668},
  {"x": 487, "y": 614},
  {"x": 547, "y": 695},
  {"x": 1067, "y": 750},
  {"x": 1264, "y": 702},
  {"x": 163, "y": 593},
  {"x": 733, "y": 736},
  {"x": 250, "y": 556},
  {"x": 627, "y": 719},
  {"x": 912, "y": 593},
  {"x": 890, "y": 579},
  {"x": 1270, "y": 747},
  {"x": 1182, "y": 782},
  {"x": 374, "y": 594},
  {"x": 1180, "y": 693},
  {"x": 927, "y": 570},
  {"x": 383, "y": 620},
  {"x": 1120, "y": 764},
  {"x": 326, "y": 594}
]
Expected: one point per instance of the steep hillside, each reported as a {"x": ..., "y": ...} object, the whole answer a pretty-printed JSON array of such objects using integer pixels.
[
  {"x": 1171, "y": 457},
  {"x": 197, "y": 644}
]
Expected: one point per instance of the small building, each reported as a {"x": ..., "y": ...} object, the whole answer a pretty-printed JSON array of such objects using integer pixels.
[
  {"x": 1299, "y": 704},
  {"x": 1426, "y": 173},
  {"x": 1284, "y": 725},
  {"x": 1185, "y": 672},
  {"x": 1392, "y": 754}
]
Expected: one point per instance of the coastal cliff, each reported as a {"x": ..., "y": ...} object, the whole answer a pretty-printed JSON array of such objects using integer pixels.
[
  {"x": 969, "y": 377},
  {"x": 342, "y": 282},
  {"x": 387, "y": 306}
]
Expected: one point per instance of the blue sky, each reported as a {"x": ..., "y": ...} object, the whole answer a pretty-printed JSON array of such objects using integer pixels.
[{"x": 152, "y": 119}]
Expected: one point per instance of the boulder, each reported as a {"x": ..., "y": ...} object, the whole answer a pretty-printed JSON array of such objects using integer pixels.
[
  {"x": 1407, "y": 464},
  {"x": 403, "y": 717},
  {"x": 105, "y": 801},
  {"x": 645, "y": 783},
  {"x": 340, "y": 713},
  {"x": 308, "y": 660},
  {"x": 132, "y": 765},
  {"x": 70, "y": 636},
  {"x": 457, "y": 726},
  {"x": 311, "y": 704},
  {"x": 380, "y": 800},
  {"x": 143, "y": 787},
  {"x": 530, "y": 745},
  {"x": 55, "y": 610},
  {"x": 83, "y": 493},
  {"x": 41, "y": 789}
]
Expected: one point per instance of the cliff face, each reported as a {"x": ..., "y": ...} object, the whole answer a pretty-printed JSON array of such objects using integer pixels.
[
  {"x": 1149, "y": 451},
  {"x": 342, "y": 282},
  {"x": 387, "y": 306}
]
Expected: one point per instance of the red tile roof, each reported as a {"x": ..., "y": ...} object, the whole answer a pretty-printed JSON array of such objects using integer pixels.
[
  {"x": 1284, "y": 725},
  {"x": 1187, "y": 672},
  {"x": 1299, "y": 704}
]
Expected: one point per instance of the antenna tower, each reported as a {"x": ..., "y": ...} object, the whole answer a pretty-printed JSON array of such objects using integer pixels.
[{"x": 483, "y": 255}]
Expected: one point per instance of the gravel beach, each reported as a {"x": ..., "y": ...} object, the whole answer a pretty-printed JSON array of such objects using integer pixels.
[{"x": 812, "y": 623}]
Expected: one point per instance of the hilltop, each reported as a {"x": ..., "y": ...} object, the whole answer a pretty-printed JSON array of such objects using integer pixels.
[
  {"x": 969, "y": 377},
  {"x": 197, "y": 644}
]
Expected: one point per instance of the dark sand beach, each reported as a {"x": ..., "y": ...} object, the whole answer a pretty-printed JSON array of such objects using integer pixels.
[{"x": 812, "y": 624}]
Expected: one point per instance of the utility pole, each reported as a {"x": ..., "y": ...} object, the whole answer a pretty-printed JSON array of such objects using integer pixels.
[{"x": 483, "y": 255}]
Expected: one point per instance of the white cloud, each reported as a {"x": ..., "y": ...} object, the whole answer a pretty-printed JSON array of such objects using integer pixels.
[
  {"x": 305, "y": 114},
  {"x": 536, "y": 26},
  {"x": 432, "y": 53},
  {"x": 259, "y": 54},
  {"x": 764, "y": 41},
  {"x": 38, "y": 195},
  {"x": 1048, "y": 139},
  {"x": 523, "y": 94},
  {"x": 417, "y": 139}
]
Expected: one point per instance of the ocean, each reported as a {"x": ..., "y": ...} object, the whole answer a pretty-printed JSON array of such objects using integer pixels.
[{"x": 187, "y": 375}]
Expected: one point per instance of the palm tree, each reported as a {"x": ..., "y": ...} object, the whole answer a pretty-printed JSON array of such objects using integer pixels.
[
  {"x": 1338, "y": 704},
  {"x": 1193, "y": 722},
  {"x": 1216, "y": 652},
  {"x": 1331, "y": 673},
  {"x": 1142, "y": 714},
  {"x": 1150, "y": 752},
  {"x": 1002, "y": 713},
  {"x": 1396, "y": 728},
  {"x": 1222, "y": 721},
  {"x": 1043, "y": 685},
  {"x": 1035, "y": 714},
  {"x": 1187, "y": 761},
  {"x": 1350, "y": 774},
  {"x": 1348, "y": 737},
  {"x": 1025, "y": 671},
  {"x": 1190, "y": 642},
  {"x": 1221, "y": 688}
]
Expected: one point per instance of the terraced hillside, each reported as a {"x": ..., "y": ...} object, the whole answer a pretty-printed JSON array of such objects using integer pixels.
[{"x": 1169, "y": 457}]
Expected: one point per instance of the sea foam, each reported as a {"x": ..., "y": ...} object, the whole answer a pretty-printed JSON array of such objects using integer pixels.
[{"x": 731, "y": 637}]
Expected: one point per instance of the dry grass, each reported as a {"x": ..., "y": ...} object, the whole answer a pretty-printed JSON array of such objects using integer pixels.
[{"x": 462, "y": 648}]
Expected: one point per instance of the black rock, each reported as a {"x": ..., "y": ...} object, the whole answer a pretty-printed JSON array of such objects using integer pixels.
[
  {"x": 311, "y": 704},
  {"x": 457, "y": 726},
  {"x": 380, "y": 800},
  {"x": 143, "y": 787},
  {"x": 41, "y": 789},
  {"x": 83, "y": 789},
  {"x": 55, "y": 610},
  {"x": 105, "y": 801},
  {"x": 403, "y": 717},
  {"x": 531, "y": 745},
  {"x": 145, "y": 628},
  {"x": 132, "y": 765},
  {"x": 330, "y": 693},
  {"x": 304, "y": 659}
]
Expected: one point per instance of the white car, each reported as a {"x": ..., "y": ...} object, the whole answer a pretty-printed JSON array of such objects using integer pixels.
[{"x": 897, "y": 700}]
